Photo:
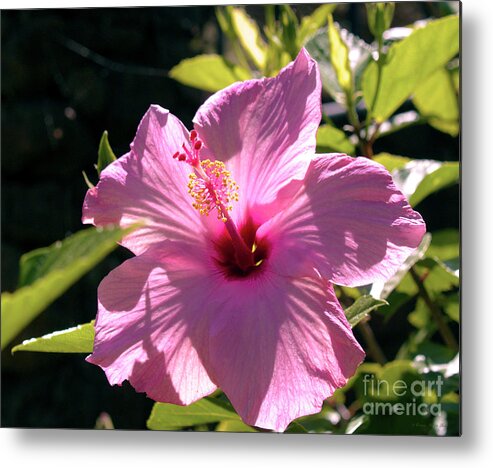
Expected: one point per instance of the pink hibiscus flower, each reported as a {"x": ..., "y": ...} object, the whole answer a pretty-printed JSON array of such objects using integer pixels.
[{"x": 242, "y": 299}]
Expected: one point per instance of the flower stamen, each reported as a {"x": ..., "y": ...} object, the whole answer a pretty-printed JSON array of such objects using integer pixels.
[{"x": 212, "y": 188}]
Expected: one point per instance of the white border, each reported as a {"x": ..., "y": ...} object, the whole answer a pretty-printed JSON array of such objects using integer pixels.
[{"x": 76, "y": 448}]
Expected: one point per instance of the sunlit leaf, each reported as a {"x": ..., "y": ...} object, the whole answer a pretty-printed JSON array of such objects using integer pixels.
[
  {"x": 312, "y": 23},
  {"x": 382, "y": 289},
  {"x": 361, "y": 308},
  {"x": 452, "y": 307},
  {"x": 436, "y": 276},
  {"x": 408, "y": 64},
  {"x": 339, "y": 57},
  {"x": 296, "y": 428},
  {"x": 331, "y": 139},
  {"x": 436, "y": 99},
  {"x": 105, "y": 153},
  {"x": 391, "y": 161},
  {"x": 447, "y": 174},
  {"x": 420, "y": 317},
  {"x": 233, "y": 425},
  {"x": 79, "y": 339},
  {"x": 445, "y": 244},
  {"x": 384, "y": 396},
  {"x": 359, "y": 56},
  {"x": 208, "y": 72},
  {"x": 379, "y": 15},
  {"x": 249, "y": 36},
  {"x": 398, "y": 122},
  {"x": 47, "y": 273},
  {"x": 422, "y": 177},
  {"x": 168, "y": 417}
]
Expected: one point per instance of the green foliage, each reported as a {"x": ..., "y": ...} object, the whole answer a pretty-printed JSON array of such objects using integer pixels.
[
  {"x": 420, "y": 67},
  {"x": 420, "y": 178},
  {"x": 383, "y": 399},
  {"x": 379, "y": 17},
  {"x": 79, "y": 339},
  {"x": 234, "y": 425},
  {"x": 339, "y": 58},
  {"x": 208, "y": 72},
  {"x": 105, "y": 153},
  {"x": 248, "y": 34},
  {"x": 311, "y": 23},
  {"x": 436, "y": 100},
  {"x": 445, "y": 244},
  {"x": 358, "y": 52},
  {"x": 361, "y": 308},
  {"x": 167, "y": 417},
  {"x": 331, "y": 139},
  {"x": 391, "y": 161},
  {"x": 408, "y": 64},
  {"x": 48, "y": 272},
  {"x": 257, "y": 52}
]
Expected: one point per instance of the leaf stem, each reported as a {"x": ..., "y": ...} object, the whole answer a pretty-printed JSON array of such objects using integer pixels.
[
  {"x": 371, "y": 342},
  {"x": 380, "y": 61},
  {"x": 443, "y": 328}
]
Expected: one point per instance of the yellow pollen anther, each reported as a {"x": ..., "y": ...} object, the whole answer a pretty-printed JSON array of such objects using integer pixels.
[{"x": 215, "y": 190}]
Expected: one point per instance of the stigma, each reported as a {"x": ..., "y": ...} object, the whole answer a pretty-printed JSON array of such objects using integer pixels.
[{"x": 210, "y": 184}]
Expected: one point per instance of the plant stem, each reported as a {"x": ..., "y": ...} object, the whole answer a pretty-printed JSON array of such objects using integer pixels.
[
  {"x": 375, "y": 97},
  {"x": 374, "y": 348},
  {"x": 443, "y": 328},
  {"x": 371, "y": 342}
]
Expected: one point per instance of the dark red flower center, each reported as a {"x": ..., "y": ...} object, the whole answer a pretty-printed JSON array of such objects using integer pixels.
[{"x": 226, "y": 258}]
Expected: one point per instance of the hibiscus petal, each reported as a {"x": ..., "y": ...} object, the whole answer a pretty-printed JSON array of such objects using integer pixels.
[
  {"x": 279, "y": 347},
  {"x": 147, "y": 185},
  {"x": 265, "y": 129},
  {"x": 149, "y": 308},
  {"x": 348, "y": 220}
]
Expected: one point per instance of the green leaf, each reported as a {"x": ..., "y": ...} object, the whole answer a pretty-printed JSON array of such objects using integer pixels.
[
  {"x": 451, "y": 306},
  {"x": 289, "y": 28},
  {"x": 331, "y": 139},
  {"x": 312, "y": 23},
  {"x": 295, "y": 428},
  {"x": 359, "y": 56},
  {"x": 445, "y": 244},
  {"x": 447, "y": 174},
  {"x": 420, "y": 317},
  {"x": 232, "y": 425},
  {"x": 79, "y": 339},
  {"x": 89, "y": 184},
  {"x": 436, "y": 275},
  {"x": 47, "y": 273},
  {"x": 339, "y": 57},
  {"x": 105, "y": 153},
  {"x": 208, "y": 72},
  {"x": 381, "y": 392},
  {"x": 456, "y": 78},
  {"x": 168, "y": 417},
  {"x": 379, "y": 17},
  {"x": 436, "y": 99},
  {"x": 397, "y": 123},
  {"x": 408, "y": 64},
  {"x": 382, "y": 290},
  {"x": 249, "y": 36},
  {"x": 391, "y": 161},
  {"x": 361, "y": 308},
  {"x": 421, "y": 177}
]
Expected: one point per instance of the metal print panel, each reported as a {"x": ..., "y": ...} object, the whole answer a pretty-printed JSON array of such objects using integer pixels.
[{"x": 232, "y": 218}]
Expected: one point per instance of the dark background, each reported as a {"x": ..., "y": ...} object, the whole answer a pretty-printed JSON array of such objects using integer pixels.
[{"x": 67, "y": 75}]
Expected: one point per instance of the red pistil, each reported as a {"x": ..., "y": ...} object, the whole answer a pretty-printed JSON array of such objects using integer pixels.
[{"x": 211, "y": 187}]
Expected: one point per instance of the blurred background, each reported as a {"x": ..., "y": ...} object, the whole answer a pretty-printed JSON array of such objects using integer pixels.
[{"x": 68, "y": 75}]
